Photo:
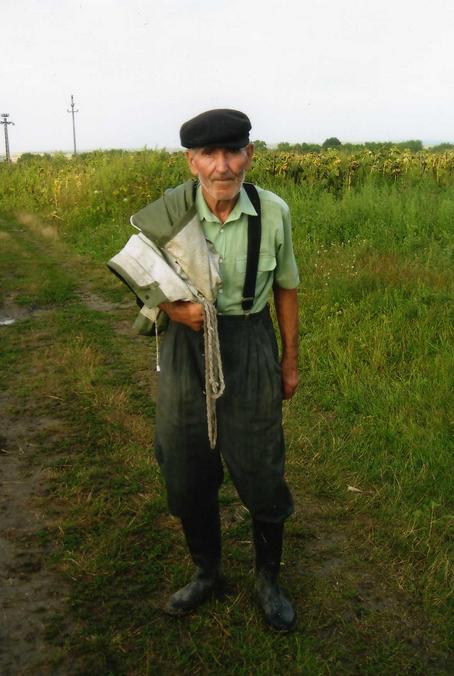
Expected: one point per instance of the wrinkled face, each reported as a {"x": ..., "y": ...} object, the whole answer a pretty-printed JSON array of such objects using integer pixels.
[{"x": 220, "y": 170}]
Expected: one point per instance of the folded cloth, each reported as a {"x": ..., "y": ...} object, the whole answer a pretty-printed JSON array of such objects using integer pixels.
[{"x": 171, "y": 260}]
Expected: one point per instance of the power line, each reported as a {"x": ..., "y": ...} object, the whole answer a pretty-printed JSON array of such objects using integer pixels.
[
  {"x": 72, "y": 111},
  {"x": 6, "y": 122}
]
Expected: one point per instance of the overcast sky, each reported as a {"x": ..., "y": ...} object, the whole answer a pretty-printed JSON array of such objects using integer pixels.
[{"x": 302, "y": 70}]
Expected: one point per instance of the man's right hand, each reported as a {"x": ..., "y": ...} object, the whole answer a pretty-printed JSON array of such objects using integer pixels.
[{"x": 185, "y": 312}]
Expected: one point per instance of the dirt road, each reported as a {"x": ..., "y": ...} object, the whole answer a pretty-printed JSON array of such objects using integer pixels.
[{"x": 33, "y": 594}]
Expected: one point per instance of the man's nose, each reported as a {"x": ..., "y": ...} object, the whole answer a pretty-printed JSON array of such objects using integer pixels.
[{"x": 221, "y": 162}]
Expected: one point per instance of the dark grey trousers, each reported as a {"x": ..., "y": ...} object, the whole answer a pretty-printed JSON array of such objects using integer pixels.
[{"x": 249, "y": 414}]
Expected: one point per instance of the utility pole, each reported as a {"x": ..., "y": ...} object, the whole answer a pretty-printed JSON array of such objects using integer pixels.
[
  {"x": 6, "y": 122},
  {"x": 72, "y": 111}
]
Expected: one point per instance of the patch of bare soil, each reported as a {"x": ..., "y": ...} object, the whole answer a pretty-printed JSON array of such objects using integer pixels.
[
  {"x": 30, "y": 595},
  {"x": 96, "y": 302},
  {"x": 11, "y": 312},
  {"x": 36, "y": 225}
]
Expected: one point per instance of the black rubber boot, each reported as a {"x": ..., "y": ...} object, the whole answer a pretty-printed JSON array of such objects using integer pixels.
[
  {"x": 203, "y": 585},
  {"x": 277, "y": 609},
  {"x": 203, "y": 537}
]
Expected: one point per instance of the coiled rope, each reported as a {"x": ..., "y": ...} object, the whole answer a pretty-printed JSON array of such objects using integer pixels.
[{"x": 214, "y": 376}]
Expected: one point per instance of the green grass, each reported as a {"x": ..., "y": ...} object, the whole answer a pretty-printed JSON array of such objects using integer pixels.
[{"x": 370, "y": 570}]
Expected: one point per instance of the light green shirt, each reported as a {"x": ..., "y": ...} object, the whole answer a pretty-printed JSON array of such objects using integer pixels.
[{"x": 276, "y": 261}]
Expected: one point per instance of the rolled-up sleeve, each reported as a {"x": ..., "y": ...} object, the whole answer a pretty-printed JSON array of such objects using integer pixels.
[{"x": 286, "y": 272}]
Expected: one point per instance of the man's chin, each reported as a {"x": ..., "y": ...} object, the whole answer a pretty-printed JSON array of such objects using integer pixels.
[{"x": 226, "y": 193}]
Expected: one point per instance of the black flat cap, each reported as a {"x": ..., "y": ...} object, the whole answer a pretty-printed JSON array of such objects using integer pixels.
[{"x": 219, "y": 128}]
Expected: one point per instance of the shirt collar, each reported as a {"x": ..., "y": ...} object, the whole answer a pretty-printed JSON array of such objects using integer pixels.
[{"x": 243, "y": 206}]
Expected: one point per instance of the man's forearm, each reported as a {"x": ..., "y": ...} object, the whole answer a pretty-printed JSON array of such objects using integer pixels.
[{"x": 286, "y": 303}]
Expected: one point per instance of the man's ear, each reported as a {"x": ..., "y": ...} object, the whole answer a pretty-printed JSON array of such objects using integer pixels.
[
  {"x": 250, "y": 153},
  {"x": 190, "y": 159}
]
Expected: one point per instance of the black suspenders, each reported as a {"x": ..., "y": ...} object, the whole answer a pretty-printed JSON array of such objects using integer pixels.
[{"x": 254, "y": 234}]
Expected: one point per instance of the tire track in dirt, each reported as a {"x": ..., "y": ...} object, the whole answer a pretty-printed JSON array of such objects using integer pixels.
[{"x": 30, "y": 595}]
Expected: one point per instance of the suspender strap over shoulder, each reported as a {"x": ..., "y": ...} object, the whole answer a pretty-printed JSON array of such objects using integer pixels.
[{"x": 254, "y": 235}]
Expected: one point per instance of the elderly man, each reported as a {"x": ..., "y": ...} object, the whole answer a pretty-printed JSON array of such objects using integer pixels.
[{"x": 235, "y": 218}]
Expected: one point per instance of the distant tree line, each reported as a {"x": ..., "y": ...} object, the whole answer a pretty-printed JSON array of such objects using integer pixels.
[
  {"x": 300, "y": 148},
  {"x": 63, "y": 157},
  {"x": 333, "y": 142}
]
